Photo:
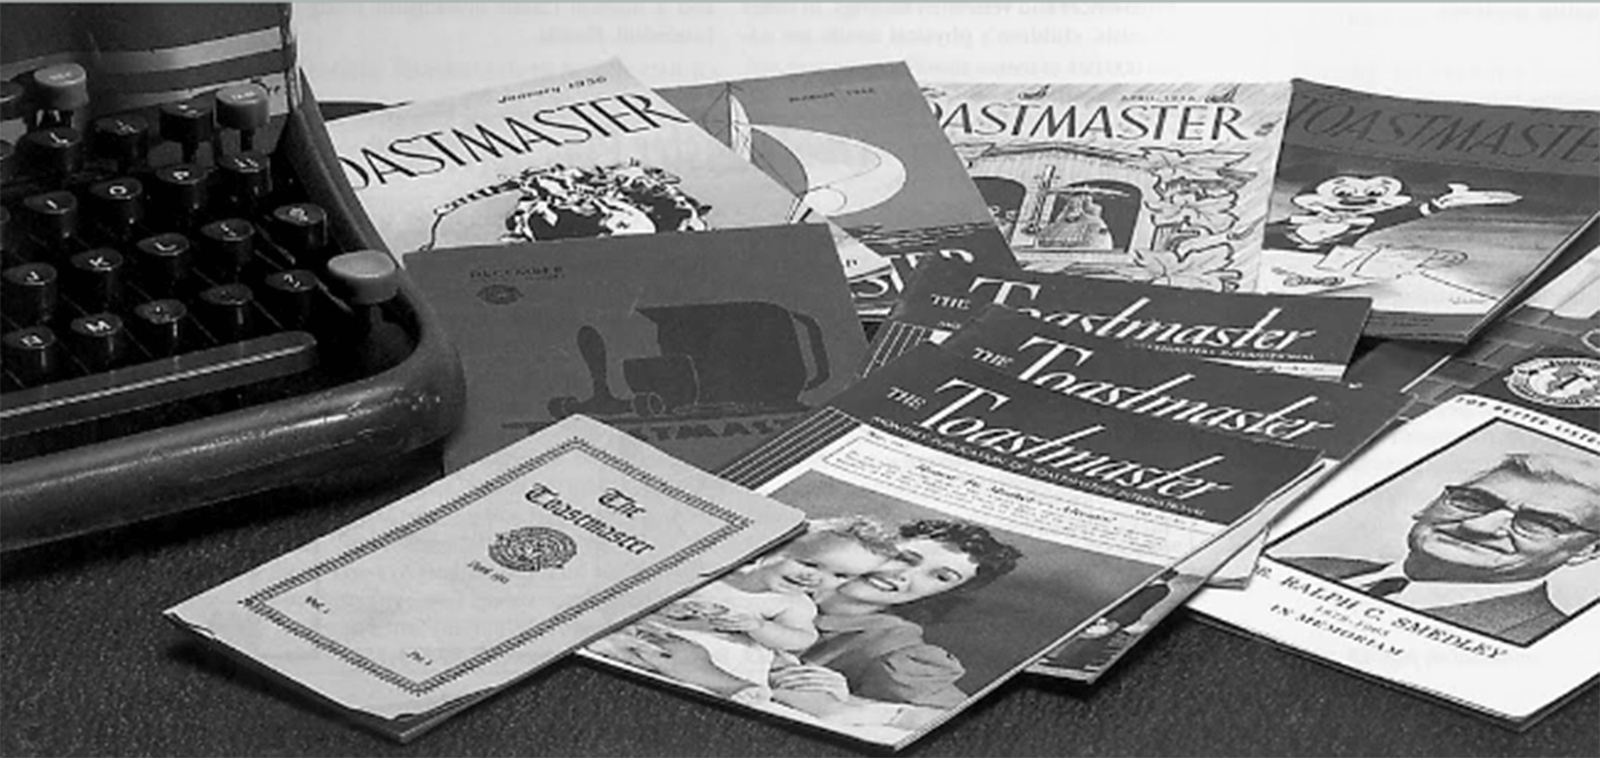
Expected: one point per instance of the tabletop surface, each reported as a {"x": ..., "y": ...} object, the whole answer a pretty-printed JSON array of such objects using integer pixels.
[{"x": 91, "y": 668}]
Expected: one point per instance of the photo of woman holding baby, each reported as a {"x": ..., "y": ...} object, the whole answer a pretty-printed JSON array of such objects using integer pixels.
[{"x": 870, "y": 664}]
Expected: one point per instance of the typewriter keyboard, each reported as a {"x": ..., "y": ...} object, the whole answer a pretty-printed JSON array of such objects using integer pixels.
[{"x": 158, "y": 267}]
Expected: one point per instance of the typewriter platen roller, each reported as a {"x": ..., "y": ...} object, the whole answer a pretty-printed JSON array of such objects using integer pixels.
[{"x": 195, "y": 308}]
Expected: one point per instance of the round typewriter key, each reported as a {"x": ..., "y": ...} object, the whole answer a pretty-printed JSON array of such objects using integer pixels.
[
  {"x": 164, "y": 262},
  {"x": 31, "y": 354},
  {"x": 162, "y": 326},
  {"x": 228, "y": 311},
  {"x": 30, "y": 292},
  {"x": 124, "y": 139},
  {"x": 243, "y": 107},
  {"x": 57, "y": 151},
  {"x": 62, "y": 87},
  {"x": 13, "y": 100},
  {"x": 365, "y": 277},
  {"x": 52, "y": 217},
  {"x": 180, "y": 195},
  {"x": 8, "y": 161},
  {"x": 246, "y": 179},
  {"x": 188, "y": 123},
  {"x": 227, "y": 247},
  {"x": 100, "y": 340},
  {"x": 303, "y": 228},
  {"x": 117, "y": 206},
  {"x": 95, "y": 278},
  {"x": 290, "y": 296}
]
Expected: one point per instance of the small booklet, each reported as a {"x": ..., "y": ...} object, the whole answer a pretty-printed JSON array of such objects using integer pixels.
[
  {"x": 1456, "y": 555},
  {"x": 964, "y": 522},
  {"x": 1165, "y": 183},
  {"x": 703, "y": 344},
  {"x": 477, "y": 580},
  {"x": 587, "y": 153},
  {"x": 1307, "y": 336},
  {"x": 1188, "y": 394},
  {"x": 855, "y": 145},
  {"x": 1441, "y": 212}
]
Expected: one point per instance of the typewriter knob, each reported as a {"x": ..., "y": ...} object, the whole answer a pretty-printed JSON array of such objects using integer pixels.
[
  {"x": 30, "y": 292},
  {"x": 31, "y": 354},
  {"x": 102, "y": 340},
  {"x": 62, "y": 88},
  {"x": 243, "y": 107}
]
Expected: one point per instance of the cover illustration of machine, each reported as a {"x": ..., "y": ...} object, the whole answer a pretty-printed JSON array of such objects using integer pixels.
[
  {"x": 587, "y": 153},
  {"x": 1441, "y": 212},
  {"x": 1456, "y": 555},
  {"x": 701, "y": 343},
  {"x": 962, "y": 523},
  {"x": 1164, "y": 183},
  {"x": 856, "y": 146}
]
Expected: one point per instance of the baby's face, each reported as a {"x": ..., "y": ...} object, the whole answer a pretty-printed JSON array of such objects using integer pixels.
[{"x": 819, "y": 567}]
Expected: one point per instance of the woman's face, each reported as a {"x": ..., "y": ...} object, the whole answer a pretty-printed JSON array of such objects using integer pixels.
[{"x": 923, "y": 568}]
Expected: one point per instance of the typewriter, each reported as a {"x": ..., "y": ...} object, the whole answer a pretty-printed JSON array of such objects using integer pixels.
[{"x": 194, "y": 306}]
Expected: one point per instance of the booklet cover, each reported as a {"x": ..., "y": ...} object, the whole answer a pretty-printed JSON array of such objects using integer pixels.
[
  {"x": 1455, "y": 556},
  {"x": 1164, "y": 183},
  {"x": 477, "y": 580},
  {"x": 1186, "y": 393},
  {"x": 1012, "y": 518},
  {"x": 586, "y": 153},
  {"x": 1441, "y": 212},
  {"x": 703, "y": 344},
  {"x": 1308, "y": 336},
  {"x": 855, "y": 145}
]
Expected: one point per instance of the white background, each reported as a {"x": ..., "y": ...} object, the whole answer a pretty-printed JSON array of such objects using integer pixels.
[{"x": 1513, "y": 53}]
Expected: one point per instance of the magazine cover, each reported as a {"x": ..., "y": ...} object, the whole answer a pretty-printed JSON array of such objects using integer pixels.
[
  {"x": 1307, "y": 336},
  {"x": 1164, "y": 183},
  {"x": 1332, "y": 417},
  {"x": 1455, "y": 556},
  {"x": 963, "y": 522},
  {"x": 1440, "y": 212},
  {"x": 1562, "y": 311},
  {"x": 704, "y": 344},
  {"x": 855, "y": 145},
  {"x": 452, "y": 593},
  {"x": 586, "y": 153}
]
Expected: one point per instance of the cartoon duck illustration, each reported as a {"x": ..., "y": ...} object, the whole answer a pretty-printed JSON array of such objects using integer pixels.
[{"x": 1343, "y": 209}]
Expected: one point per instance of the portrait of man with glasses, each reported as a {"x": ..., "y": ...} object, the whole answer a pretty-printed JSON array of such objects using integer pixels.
[{"x": 1492, "y": 523}]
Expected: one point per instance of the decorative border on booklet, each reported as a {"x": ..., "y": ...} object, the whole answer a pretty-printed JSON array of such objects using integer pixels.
[
  {"x": 258, "y": 602},
  {"x": 818, "y": 431}
]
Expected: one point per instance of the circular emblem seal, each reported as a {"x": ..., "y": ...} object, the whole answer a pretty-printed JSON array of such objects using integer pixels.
[
  {"x": 499, "y": 294},
  {"x": 532, "y": 548},
  {"x": 1558, "y": 382}
]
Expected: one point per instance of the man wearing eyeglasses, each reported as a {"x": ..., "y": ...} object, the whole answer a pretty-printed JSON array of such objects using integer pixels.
[{"x": 1480, "y": 552}]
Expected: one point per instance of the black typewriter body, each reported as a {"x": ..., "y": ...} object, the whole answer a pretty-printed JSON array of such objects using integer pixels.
[{"x": 195, "y": 307}]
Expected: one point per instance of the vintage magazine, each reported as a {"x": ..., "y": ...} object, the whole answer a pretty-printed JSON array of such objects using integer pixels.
[
  {"x": 1455, "y": 556},
  {"x": 855, "y": 145},
  {"x": 703, "y": 344},
  {"x": 475, "y": 581},
  {"x": 1440, "y": 212},
  {"x": 963, "y": 523},
  {"x": 1307, "y": 336},
  {"x": 1164, "y": 183},
  {"x": 1562, "y": 311},
  {"x": 1329, "y": 416},
  {"x": 586, "y": 153}
]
